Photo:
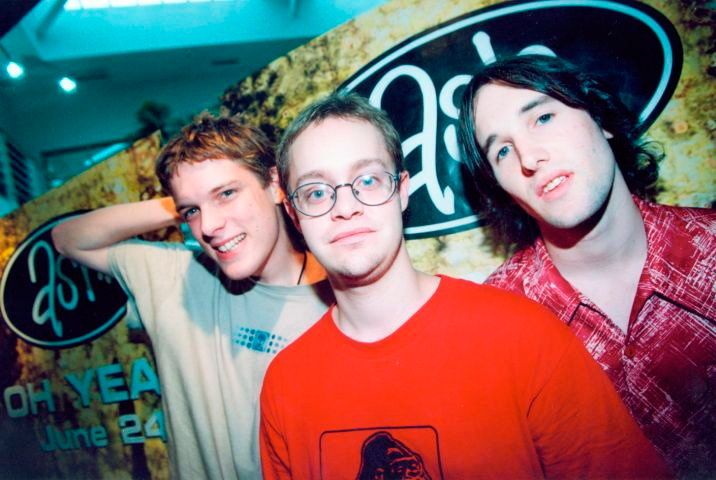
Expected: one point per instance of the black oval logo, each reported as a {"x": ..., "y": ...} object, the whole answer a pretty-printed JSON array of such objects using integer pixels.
[
  {"x": 53, "y": 302},
  {"x": 419, "y": 82}
]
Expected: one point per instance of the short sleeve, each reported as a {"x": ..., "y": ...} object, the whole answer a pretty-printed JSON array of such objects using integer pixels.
[
  {"x": 148, "y": 273},
  {"x": 273, "y": 446},
  {"x": 581, "y": 428}
]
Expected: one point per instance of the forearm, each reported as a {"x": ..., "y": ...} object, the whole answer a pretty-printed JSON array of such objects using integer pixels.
[{"x": 86, "y": 238}]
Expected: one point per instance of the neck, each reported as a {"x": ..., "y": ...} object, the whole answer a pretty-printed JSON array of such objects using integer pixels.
[
  {"x": 613, "y": 238},
  {"x": 284, "y": 265},
  {"x": 371, "y": 311}
]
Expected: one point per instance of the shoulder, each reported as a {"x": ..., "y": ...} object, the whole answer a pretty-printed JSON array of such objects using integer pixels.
[
  {"x": 298, "y": 305},
  {"x": 135, "y": 259},
  {"x": 513, "y": 271},
  {"x": 502, "y": 310},
  {"x": 294, "y": 369},
  {"x": 307, "y": 349},
  {"x": 681, "y": 244},
  {"x": 693, "y": 218},
  {"x": 681, "y": 236},
  {"x": 508, "y": 328}
]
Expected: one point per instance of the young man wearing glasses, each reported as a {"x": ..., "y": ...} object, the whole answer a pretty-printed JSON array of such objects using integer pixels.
[
  {"x": 411, "y": 375},
  {"x": 216, "y": 319}
]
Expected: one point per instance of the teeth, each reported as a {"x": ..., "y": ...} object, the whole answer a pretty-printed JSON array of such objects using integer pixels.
[
  {"x": 554, "y": 183},
  {"x": 230, "y": 245}
]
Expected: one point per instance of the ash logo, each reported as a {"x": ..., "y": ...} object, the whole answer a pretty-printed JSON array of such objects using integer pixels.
[
  {"x": 53, "y": 302},
  {"x": 419, "y": 83}
]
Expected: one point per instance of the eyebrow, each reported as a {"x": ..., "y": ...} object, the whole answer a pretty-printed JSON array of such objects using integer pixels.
[
  {"x": 231, "y": 184},
  {"x": 540, "y": 100},
  {"x": 321, "y": 174},
  {"x": 489, "y": 142}
]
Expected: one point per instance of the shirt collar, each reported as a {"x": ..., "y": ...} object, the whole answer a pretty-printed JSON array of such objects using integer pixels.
[
  {"x": 672, "y": 256},
  {"x": 546, "y": 283},
  {"x": 671, "y": 253}
]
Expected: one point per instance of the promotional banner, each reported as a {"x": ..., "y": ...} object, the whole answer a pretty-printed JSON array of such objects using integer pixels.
[{"x": 80, "y": 393}]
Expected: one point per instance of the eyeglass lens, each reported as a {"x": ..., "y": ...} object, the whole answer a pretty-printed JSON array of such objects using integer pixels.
[{"x": 370, "y": 189}]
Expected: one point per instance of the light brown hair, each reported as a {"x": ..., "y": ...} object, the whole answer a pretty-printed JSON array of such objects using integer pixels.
[{"x": 216, "y": 138}]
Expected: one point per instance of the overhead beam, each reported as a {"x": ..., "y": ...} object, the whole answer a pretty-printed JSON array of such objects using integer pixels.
[
  {"x": 49, "y": 18},
  {"x": 12, "y": 13}
]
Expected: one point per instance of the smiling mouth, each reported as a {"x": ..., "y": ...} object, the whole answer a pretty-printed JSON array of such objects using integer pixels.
[
  {"x": 554, "y": 183},
  {"x": 231, "y": 244}
]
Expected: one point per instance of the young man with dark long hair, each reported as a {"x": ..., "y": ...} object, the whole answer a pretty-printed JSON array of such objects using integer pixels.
[{"x": 564, "y": 180}]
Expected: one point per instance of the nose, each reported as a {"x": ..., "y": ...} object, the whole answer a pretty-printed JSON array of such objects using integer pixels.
[
  {"x": 532, "y": 156},
  {"x": 212, "y": 220},
  {"x": 347, "y": 205}
]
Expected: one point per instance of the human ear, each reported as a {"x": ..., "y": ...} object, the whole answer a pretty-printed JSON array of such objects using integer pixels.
[
  {"x": 291, "y": 213},
  {"x": 403, "y": 189},
  {"x": 274, "y": 185}
]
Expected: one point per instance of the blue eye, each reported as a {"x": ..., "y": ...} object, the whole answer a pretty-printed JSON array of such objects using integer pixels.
[
  {"x": 544, "y": 118},
  {"x": 502, "y": 153},
  {"x": 367, "y": 182},
  {"x": 314, "y": 193},
  {"x": 189, "y": 213},
  {"x": 227, "y": 193}
]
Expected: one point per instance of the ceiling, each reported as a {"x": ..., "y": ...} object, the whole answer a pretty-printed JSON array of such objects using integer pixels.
[
  {"x": 13, "y": 11},
  {"x": 181, "y": 56}
]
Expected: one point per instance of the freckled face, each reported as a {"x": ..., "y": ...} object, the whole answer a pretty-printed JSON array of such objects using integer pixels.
[
  {"x": 230, "y": 213},
  {"x": 553, "y": 160}
]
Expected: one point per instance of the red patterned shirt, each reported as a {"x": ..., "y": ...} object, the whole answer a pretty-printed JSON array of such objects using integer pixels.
[{"x": 664, "y": 366}]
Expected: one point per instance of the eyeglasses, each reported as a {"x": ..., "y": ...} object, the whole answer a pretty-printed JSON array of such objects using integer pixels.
[{"x": 317, "y": 198}]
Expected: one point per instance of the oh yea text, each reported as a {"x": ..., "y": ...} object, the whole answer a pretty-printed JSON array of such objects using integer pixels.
[{"x": 109, "y": 380}]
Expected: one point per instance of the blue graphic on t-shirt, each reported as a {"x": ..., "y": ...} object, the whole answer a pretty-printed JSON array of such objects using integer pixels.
[{"x": 259, "y": 340}]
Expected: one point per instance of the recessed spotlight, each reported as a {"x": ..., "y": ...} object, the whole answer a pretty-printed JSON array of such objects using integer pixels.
[
  {"x": 67, "y": 84},
  {"x": 15, "y": 70}
]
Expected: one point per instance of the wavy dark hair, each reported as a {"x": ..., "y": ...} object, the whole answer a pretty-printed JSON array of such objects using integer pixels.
[{"x": 509, "y": 227}]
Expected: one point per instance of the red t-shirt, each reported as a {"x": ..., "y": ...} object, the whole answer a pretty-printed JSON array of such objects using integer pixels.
[
  {"x": 664, "y": 366},
  {"x": 479, "y": 383}
]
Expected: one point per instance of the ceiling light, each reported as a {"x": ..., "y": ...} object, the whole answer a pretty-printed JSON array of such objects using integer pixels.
[
  {"x": 15, "y": 70},
  {"x": 67, "y": 84},
  {"x": 89, "y": 4}
]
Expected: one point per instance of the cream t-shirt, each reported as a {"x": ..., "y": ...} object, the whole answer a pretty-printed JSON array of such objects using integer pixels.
[{"x": 212, "y": 348}]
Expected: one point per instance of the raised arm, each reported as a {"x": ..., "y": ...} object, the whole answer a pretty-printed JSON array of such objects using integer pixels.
[{"x": 87, "y": 237}]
